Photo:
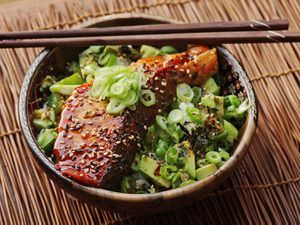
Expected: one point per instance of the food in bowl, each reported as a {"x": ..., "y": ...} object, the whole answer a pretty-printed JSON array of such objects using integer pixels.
[{"x": 139, "y": 119}]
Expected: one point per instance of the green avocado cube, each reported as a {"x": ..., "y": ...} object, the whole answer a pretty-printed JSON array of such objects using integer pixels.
[
  {"x": 211, "y": 87},
  {"x": 190, "y": 164},
  {"x": 148, "y": 166}
]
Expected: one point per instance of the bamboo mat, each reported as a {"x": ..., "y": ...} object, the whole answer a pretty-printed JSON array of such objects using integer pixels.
[{"x": 265, "y": 189}]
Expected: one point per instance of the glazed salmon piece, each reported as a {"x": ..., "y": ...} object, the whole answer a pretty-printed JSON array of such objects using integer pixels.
[{"x": 96, "y": 148}]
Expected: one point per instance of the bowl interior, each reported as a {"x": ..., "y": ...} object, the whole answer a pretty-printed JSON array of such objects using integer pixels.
[{"x": 54, "y": 61}]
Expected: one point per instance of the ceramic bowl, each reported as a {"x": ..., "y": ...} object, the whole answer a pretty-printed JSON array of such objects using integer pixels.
[{"x": 56, "y": 59}]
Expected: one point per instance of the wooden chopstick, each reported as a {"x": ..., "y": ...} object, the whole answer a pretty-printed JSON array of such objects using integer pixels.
[
  {"x": 211, "y": 38},
  {"x": 151, "y": 29}
]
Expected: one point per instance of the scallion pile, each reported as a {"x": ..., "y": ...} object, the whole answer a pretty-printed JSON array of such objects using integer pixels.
[{"x": 189, "y": 142}]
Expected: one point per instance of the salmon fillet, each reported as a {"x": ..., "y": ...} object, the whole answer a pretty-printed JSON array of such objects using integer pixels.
[{"x": 95, "y": 148}]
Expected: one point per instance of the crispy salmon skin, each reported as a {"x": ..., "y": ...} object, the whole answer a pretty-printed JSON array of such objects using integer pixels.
[{"x": 96, "y": 148}]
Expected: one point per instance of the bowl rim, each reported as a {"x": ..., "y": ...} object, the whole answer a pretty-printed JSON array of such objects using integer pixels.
[{"x": 240, "y": 150}]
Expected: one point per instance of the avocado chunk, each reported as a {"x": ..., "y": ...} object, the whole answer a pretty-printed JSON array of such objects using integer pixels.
[
  {"x": 46, "y": 139},
  {"x": 211, "y": 87},
  {"x": 148, "y": 166},
  {"x": 205, "y": 171},
  {"x": 214, "y": 102},
  {"x": 148, "y": 51},
  {"x": 190, "y": 165},
  {"x": 231, "y": 131}
]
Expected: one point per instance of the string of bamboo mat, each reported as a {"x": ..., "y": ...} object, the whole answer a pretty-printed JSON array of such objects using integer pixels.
[{"x": 28, "y": 197}]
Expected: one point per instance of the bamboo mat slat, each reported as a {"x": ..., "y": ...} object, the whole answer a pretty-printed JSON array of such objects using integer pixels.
[{"x": 265, "y": 189}]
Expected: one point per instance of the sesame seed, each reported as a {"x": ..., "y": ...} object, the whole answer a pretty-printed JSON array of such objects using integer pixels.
[
  {"x": 64, "y": 134},
  {"x": 86, "y": 170},
  {"x": 131, "y": 137},
  {"x": 70, "y": 136},
  {"x": 63, "y": 157}
]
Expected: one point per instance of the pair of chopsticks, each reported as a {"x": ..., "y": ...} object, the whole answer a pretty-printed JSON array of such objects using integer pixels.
[{"x": 251, "y": 31}]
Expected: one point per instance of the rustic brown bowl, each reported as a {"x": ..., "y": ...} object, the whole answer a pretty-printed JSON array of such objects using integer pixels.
[{"x": 57, "y": 58}]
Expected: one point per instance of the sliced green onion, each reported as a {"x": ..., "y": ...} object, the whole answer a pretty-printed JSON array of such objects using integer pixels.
[
  {"x": 213, "y": 157},
  {"x": 127, "y": 185},
  {"x": 231, "y": 100},
  {"x": 47, "y": 82},
  {"x": 168, "y": 171},
  {"x": 147, "y": 97},
  {"x": 201, "y": 162},
  {"x": 197, "y": 95},
  {"x": 74, "y": 67},
  {"x": 165, "y": 50},
  {"x": 188, "y": 182},
  {"x": 177, "y": 134},
  {"x": 221, "y": 136},
  {"x": 89, "y": 71},
  {"x": 119, "y": 89},
  {"x": 151, "y": 136},
  {"x": 135, "y": 163},
  {"x": 172, "y": 155},
  {"x": 205, "y": 171},
  {"x": 176, "y": 180},
  {"x": 196, "y": 115},
  {"x": 183, "y": 106},
  {"x": 162, "y": 123},
  {"x": 244, "y": 106},
  {"x": 107, "y": 59},
  {"x": 230, "y": 113},
  {"x": 130, "y": 99},
  {"x": 175, "y": 116},
  {"x": 184, "y": 92},
  {"x": 161, "y": 148},
  {"x": 164, "y": 135},
  {"x": 224, "y": 155},
  {"x": 115, "y": 106}
]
